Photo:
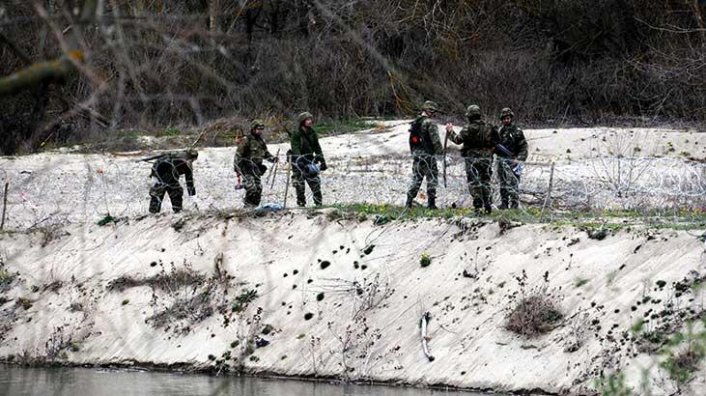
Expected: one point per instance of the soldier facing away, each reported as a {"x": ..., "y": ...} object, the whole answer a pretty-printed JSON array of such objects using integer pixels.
[
  {"x": 425, "y": 145},
  {"x": 167, "y": 169},
  {"x": 307, "y": 159},
  {"x": 479, "y": 140},
  {"x": 252, "y": 150},
  {"x": 511, "y": 155}
]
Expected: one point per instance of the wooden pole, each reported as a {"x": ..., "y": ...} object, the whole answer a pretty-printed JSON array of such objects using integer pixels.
[
  {"x": 286, "y": 186},
  {"x": 548, "y": 198},
  {"x": 4, "y": 205}
]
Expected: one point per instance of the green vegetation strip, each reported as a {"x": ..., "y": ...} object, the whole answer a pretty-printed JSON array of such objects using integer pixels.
[{"x": 609, "y": 220}]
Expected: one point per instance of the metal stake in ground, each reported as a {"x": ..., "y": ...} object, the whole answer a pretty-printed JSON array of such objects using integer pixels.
[
  {"x": 274, "y": 174},
  {"x": 286, "y": 186},
  {"x": 4, "y": 205}
]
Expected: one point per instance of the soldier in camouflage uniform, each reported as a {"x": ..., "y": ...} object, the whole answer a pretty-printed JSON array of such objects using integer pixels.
[
  {"x": 479, "y": 140},
  {"x": 510, "y": 159},
  {"x": 167, "y": 169},
  {"x": 425, "y": 145},
  {"x": 307, "y": 159},
  {"x": 252, "y": 150}
]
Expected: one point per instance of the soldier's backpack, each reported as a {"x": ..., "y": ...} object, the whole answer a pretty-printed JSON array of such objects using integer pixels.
[
  {"x": 419, "y": 140},
  {"x": 478, "y": 136}
]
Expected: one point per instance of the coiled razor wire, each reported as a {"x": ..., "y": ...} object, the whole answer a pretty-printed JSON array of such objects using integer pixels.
[{"x": 47, "y": 189}]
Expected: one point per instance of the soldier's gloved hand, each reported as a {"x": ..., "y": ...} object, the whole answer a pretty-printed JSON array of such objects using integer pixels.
[
  {"x": 323, "y": 166},
  {"x": 191, "y": 191}
]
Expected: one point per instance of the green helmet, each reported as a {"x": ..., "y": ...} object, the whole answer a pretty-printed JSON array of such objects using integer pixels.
[
  {"x": 473, "y": 110},
  {"x": 430, "y": 106},
  {"x": 506, "y": 112},
  {"x": 303, "y": 116},
  {"x": 256, "y": 124}
]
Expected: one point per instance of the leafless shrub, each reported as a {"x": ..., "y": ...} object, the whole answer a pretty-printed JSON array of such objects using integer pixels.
[
  {"x": 166, "y": 281},
  {"x": 185, "y": 63},
  {"x": 533, "y": 316},
  {"x": 184, "y": 313}
]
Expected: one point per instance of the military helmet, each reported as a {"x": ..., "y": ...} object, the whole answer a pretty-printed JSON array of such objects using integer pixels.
[
  {"x": 256, "y": 124},
  {"x": 303, "y": 116},
  {"x": 430, "y": 106},
  {"x": 473, "y": 110},
  {"x": 506, "y": 112}
]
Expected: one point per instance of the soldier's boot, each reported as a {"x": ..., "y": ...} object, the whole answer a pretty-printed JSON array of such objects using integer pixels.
[
  {"x": 477, "y": 206},
  {"x": 249, "y": 202},
  {"x": 301, "y": 197},
  {"x": 315, "y": 186},
  {"x": 504, "y": 198},
  {"x": 514, "y": 204},
  {"x": 431, "y": 198},
  {"x": 155, "y": 204},
  {"x": 318, "y": 198}
]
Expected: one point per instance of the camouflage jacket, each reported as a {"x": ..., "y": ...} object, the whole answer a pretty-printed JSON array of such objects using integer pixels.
[
  {"x": 478, "y": 139},
  {"x": 250, "y": 154},
  {"x": 430, "y": 134},
  {"x": 305, "y": 142},
  {"x": 168, "y": 169},
  {"x": 514, "y": 140}
]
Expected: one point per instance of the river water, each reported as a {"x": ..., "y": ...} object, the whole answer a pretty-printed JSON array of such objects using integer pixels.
[{"x": 18, "y": 381}]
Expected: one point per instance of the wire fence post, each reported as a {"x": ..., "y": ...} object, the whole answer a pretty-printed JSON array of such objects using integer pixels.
[
  {"x": 548, "y": 198},
  {"x": 4, "y": 204}
]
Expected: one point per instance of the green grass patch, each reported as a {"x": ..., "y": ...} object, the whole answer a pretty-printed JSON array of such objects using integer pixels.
[
  {"x": 599, "y": 223},
  {"x": 338, "y": 127}
]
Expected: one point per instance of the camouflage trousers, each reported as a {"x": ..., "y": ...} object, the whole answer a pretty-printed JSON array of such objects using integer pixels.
[
  {"x": 252, "y": 182},
  {"x": 176, "y": 194},
  {"x": 478, "y": 172},
  {"x": 298, "y": 181},
  {"x": 509, "y": 184},
  {"x": 423, "y": 167}
]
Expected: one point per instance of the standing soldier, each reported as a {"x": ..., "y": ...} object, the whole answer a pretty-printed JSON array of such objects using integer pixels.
[
  {"x": 307, "y": 159},
  {"x": 167, "y": 169},
  {"x": 479, "y": 140},
  {"x": 425, "y": 144},
  {"x": 248, "y": 163},
  {"x": 512, "y": 152}
]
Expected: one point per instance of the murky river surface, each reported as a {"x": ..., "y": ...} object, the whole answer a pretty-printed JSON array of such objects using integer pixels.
[{"x": 18, "y": 381}]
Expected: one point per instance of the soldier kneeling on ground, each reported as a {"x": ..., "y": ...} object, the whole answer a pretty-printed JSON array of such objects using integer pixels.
[
  {"x": 167, "y": 169},
  {"x": 252, "y": 150}
]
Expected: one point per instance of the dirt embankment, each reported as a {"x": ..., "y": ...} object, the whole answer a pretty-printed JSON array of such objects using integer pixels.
[{"x": 311, "y": 294}]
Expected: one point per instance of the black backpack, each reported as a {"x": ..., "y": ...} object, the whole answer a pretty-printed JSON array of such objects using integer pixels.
[{"x": 419, "y": 140}]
